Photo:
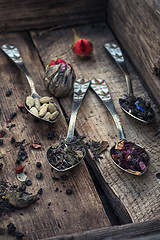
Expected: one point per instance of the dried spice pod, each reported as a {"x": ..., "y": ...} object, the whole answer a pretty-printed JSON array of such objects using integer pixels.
[{"x": 59, "y": 78}]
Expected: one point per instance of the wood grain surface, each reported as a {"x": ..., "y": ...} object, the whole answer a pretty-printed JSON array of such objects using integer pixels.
[
  {"x": 28, "y": 14},
  {"x": 138, "y": 195},
  {"x": 55, "y": 213},
  {"x": 136, "y": 25}
]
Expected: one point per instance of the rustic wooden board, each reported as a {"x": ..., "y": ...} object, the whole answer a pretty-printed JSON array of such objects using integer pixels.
[
  {"x": 136, "y": 25},
  {"x": 55, "y": 213},
  {"x": 27, "y": 14},
  {"x": 137, "y": 231},
  {"x": 138, "y": 195}
]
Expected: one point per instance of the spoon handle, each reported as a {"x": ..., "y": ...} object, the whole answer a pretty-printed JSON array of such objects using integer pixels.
[
  {"x": 116, "y": 53},
  {"x": 80, "y": 88},
  {"x": 13, "y": 53},
  {"x": 100, "y": 87}
]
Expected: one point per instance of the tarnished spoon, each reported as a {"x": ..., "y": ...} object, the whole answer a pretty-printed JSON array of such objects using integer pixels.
[
  {"x": 138, "y": 113},
  {"x": 80, "y": 88},
  {"x": 100, "y": 87},
  {"x": 13, "y": 53}
]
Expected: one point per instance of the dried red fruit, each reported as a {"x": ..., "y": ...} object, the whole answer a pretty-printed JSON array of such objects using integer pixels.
[
  {"x": 35, "y": 146},
  {"x": 19, "y": 169},
  {"x": 56, "y": 61},
  {"x": 81, "y": 47}
]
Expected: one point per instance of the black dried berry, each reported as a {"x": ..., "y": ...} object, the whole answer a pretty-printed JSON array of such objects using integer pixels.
[
  {"x": 28, "y": 182},
  {"x": 64, "y": 177},
  {"x": 22, "y": 147},
  {"x": 55, "y": 178},
  {"x": 11, "y": 228},
  {"x": 69, "y": 191},
  {"x": 39, "y": 175},
  {"x": 1, "y": 142},
  {"x": 38, "y": 164},
  {"x": 40, "y": 191},
  {"x": 8, "y": 93},
  {"x": 22, "y": 188},
  {"x": 13, "y": 140},
  {"x": 19, "y": 235}
]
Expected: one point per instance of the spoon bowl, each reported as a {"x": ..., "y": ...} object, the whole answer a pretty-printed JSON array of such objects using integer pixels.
[
  {"x": 13, "y": 53},
  {"x": 100, "y": 87},
  {"x": 70, "y": 152},
  {"x": 136, "y": 108}
]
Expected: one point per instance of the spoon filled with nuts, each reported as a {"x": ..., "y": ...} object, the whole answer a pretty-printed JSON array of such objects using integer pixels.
[{"x": 40, "y": 107}]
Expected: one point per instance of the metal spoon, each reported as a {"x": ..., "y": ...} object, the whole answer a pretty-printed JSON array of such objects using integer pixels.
[
  {"x": 80, "y": 88},
  {"x": 100, "y": 87},
  {"x": 116, "y": 53},
  {"x": 13, "y": 53}
]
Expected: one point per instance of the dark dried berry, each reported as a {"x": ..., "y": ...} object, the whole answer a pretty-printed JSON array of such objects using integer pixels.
[
  {"x": 69, "y": 191},
  {"x": 40, "y": 191},
  {"x": 2, "y": 133},
  {"x": 12, "y": 115},
  {"x": 24, "y": 157},
  {"x": 22, "y": 188},
  {"x": 22, "y": 147},
  {"x": 13, "y": 140},
  {"x": 64, "y": 177},
  {"x": 56, "y": 190},
  {"x": 1, "y": 142},
  {"x": 39, "y": 175},
  {"x": 8, "y": 93},
  {"x": 55, "y": 178},
  {"x": 38, "y": 164},
  {"x": 28, "y": 182},
  {"x": 19, "y": 235},
  {"x": 11, "y": 228}
]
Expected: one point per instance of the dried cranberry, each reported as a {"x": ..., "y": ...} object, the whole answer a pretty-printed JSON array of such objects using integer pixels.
[{"x": 19, "y": 169}]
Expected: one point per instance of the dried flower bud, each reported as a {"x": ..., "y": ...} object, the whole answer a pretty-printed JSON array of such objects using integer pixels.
[
  {"x": 59, "y": 78},
  {"x": 81, "y": 47}
]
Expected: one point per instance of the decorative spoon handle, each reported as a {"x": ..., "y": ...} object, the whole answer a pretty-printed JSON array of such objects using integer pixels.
[
  {"x": 80, "y": 88},
  {"x": 100, "y": 87},
  {"x": 116, "y": 53},
  {"x": 13, "y": 53}
]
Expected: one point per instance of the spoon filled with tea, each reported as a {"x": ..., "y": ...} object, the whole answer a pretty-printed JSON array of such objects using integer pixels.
[
  {"x": 42, "y": 108},
  {"x": 134, "y": 106},
  {"x": 126, "y": 155}
]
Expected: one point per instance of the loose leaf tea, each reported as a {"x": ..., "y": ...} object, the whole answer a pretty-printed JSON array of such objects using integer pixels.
[
  {"x": 130, "y": 156},
  {"x": 138, "y": 107},
  {"x": 66, "y": 154}
]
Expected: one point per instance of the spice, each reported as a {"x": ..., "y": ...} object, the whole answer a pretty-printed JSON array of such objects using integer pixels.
[
  {"x": 59, "y": 78},
  {"x": 66, "y": 154},
  {"x": 39, "y": 175},
  {"x": 1, "y": 142},
  {"x": 19, "y": 169},
  {"x": 130, "y": 156},
  {"x": 68, "y": 191},
  {"x": 81, "y": 47},
  {"x": 8, "y": 93},
  {"x": 138, "y": 107},
  {"x": 38, "y": 164},
  {"x": 2, "y": 133}
]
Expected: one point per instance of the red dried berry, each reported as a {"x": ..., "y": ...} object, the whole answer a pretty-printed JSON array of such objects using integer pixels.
[{"x": 19, "y": 169}]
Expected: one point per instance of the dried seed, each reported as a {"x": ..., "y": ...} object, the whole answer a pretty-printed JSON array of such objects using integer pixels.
[
  {"x": 39, "y": 175},
  {"x": 43, "y": 110},
  {"x": 28, "y": 182},
  {"x": 34, "y": 111},
  {"x": 29, "y": 101},
  {"x": 54, "y": 115},
  {"x": 68, "y": 191},
  {"x": 47, "y": 116},
  {"x": 37, "y": 103},
  {"x": 8, "y": 93},
  {"x": 38, "y": 164},
  {"x": 51, "y": 107},
  {"x": 45, "y": 99}
]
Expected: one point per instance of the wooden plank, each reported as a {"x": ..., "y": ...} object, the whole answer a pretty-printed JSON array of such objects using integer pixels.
[
  {"x": 56, "y": 212},
  {"x": 27, "y": 14},
  {"x": 139, "y": 196},
  {"x": 136, "y": 25},
  {"x": 137, "y": 231}
]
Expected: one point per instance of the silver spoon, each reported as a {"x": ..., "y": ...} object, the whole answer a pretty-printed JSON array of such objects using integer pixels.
[
  {"x": 80, "y": 88},
  {"x": 100, "y": 87},
  {"x": 13, "y": 53},
  {"x": 116, "y": 53}
]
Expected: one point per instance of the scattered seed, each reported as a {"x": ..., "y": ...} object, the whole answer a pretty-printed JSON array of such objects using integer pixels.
[
  {"x": 40, "y": 191},
  {"x": 68, "y": 191},
  {"x": 28, "y": 182},
  {"x": 38, "y": 164},
  {"x": 39, "y": 175},
  {"x": 8, "y": 93},
  {"x": 22, "y": 188},
  {"x": 1, "y": 166}
]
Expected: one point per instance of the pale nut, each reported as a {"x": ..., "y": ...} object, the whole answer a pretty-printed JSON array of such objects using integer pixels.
[
  {"x": 45, "y": 99},
  {"x": 29, "y": 101},
  {"x": 54, "y": 115},
  {"x": 43, "y": 110},
  {"x": 47, "y": 116},
  {"x": 34, "y": 111},
  {"x": 37, "y": 103},
  {"x": 51, "y": 107}
]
